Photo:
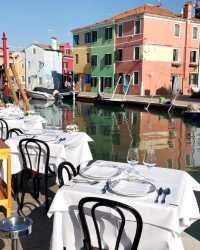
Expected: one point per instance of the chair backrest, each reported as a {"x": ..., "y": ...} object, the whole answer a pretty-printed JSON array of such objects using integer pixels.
[
  {"x": 69, "y": 169},
  {"x": 117, "y": 207},
  {"x": 3, "y": 129},
  {"x": 16, "y": 131},
  {"x": 39, "y": 150}
]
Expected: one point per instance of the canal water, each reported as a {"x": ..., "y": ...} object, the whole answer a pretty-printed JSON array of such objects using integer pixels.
[{"x": 115, "y": 129}]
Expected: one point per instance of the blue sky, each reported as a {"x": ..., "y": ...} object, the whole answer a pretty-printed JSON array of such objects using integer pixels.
[{"x": 28, "y": 21}]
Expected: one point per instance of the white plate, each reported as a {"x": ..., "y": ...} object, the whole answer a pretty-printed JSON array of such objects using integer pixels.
[
  {"x": 131, "y": 188},
  {"x": 100, "y": 172}
]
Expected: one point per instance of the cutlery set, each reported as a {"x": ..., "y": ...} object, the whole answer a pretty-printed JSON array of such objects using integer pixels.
[{"x": 161, "y": 192}]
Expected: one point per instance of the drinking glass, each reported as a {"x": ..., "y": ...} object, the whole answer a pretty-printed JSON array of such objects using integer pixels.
[
  {"x": 132, "y": 157},
  {"x": 150, "y": 158}
]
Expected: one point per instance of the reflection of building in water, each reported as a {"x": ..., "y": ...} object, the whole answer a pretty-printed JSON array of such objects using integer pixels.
[
  {"x": 166, "y": 136},
  {"x": 194, "y": 138},
  {"x": 53, "y": 115}
]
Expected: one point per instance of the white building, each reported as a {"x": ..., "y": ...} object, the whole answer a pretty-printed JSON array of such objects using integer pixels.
[{"x": 43, "y": 66}]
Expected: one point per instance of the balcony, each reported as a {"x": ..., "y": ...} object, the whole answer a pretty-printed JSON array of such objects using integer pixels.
[
  {"x": 193, "y": 64},
  {"x": 176, "y": 64}
]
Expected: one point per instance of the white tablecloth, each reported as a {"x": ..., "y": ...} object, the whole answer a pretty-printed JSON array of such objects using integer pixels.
[
  {"x": 163, "y": 223},
  {"x": 27, "y": 122},
  {"x": 74, "y": 148}
]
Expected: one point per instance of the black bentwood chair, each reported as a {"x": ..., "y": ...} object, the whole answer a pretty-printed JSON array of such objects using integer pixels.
[
  {"x": 69, "y": 169},
  {"x": 3, "y": 129},
  {"x": 15, "y": 131},
  {"x": 35, "y": 157},
  {"x": 118, "y": 207}
]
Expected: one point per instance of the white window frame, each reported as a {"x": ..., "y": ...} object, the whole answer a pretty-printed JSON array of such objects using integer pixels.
[
  {"x": 122, "y": 25},
  {"x": 135, "y": 26},
  {"x": 178, "y": 61},
  {"x": 140, "y": 55},
  {"x": 179, "y": 31},
  {"x": 196, "y": 56},
  {"x": 195, "y": 27},
  {"x": 134, "y": 78}
]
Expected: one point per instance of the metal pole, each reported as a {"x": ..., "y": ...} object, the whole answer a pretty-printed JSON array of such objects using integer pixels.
[{"x": 14, "y": 244}]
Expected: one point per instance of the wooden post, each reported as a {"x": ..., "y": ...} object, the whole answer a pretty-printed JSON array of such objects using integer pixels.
[
  {"x": 21, "y": 90},
  {"x": 14, "y": 96}
]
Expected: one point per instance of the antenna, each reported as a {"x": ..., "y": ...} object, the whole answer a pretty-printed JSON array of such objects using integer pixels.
[{"x": 159, "y": 3}]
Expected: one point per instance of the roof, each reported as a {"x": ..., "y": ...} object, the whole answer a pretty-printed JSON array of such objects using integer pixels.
[
  {"x": 45, "y": 46},
  {"x": 146, "y": 8}
]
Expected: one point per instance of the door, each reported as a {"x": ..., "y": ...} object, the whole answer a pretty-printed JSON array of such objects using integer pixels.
[
  {"x": 102, "y": 84},
  {"x": 175, "y": 84}
]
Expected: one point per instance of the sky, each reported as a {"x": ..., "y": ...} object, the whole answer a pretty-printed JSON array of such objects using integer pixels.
[{"x": 26, "y": 21}]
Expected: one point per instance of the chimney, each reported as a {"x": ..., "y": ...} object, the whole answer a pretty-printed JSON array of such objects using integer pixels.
[
  {"x": 54, "y": 43},
  {"x": 187, "y": 10}
]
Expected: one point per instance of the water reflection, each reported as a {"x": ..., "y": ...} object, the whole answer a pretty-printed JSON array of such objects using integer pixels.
[{"x": 114, "y": 130}]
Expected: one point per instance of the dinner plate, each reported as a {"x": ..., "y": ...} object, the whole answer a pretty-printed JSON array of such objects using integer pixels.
[
  {"x": 131, "y": 187},
  {"x": 100, "y": 172}
]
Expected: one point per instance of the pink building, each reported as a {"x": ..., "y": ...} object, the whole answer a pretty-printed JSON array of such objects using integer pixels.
[
  {"x": 158, "y": 50},
  {"x": 67, "y": 61}
]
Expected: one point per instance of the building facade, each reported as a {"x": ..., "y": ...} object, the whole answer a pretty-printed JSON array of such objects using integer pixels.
[
  {"x": 67, "y": 62},
  {"x": 154, "y": 52},
  {"x": 43, "y": 66}
]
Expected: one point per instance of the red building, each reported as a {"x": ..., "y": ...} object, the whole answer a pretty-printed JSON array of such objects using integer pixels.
[{"x": 67, "y": 62}]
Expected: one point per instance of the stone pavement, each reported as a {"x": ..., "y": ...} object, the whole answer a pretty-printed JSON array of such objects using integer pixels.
[{"x": 42, "y": 228}]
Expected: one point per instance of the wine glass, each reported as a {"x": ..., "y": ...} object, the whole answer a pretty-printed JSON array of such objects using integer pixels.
[
  {"x": 150, "y": 158},
  {"x": 132, "y": 158}
]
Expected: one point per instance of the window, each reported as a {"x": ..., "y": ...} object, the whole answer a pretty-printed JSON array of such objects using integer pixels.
[
  {"x": 108, "y": 59},
  {"x": 40, "y": 80},
  {"x": 88, "y": 57},
  {"x": 177, "y": 30},
  {"x": 193, "y": 79},
  {"x": 88, "y": 37},
  {"x": 195, "y": 33},
  {"x": 76, "y": 56},
  {"x": 29, "y": 64},
  {"x": 94, "y": 60},
  {"x": 108, "y": 82},
  {"x": 34, "y": 51},
  {"x": 175, "y": 55},
  {"x": 76, "y": 39},
  {"x": 94, "y": 36},
  {"x": 120, "y": 30},
  {"x": 136, "y": 78},
  {"x": 193, "y": 56},
  {"x": 40, "y": 65},
  {"x": 119, "y": 55},
  {"x": 29, "y": 80},
  {"x": 137, "y": 28},
  {"x": 94, "y": 81},
  {"x": 108, "y": 33},
  {"x": 65, "y": 65},
  {"x": 87, "y": 78},
  {"x": 23, "y": 78},
  {"x": 137, "y": 54}
]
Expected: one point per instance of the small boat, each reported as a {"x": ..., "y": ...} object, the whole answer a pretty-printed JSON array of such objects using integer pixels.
[
  {"x": 192, "y": 115},
  {"x": 45, "y": 94},
  {"x": 67, "y": 93}
]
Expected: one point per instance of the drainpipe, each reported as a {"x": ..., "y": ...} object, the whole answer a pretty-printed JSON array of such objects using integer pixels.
[
  {"x": 114, "y": 48},
  {"x": 185, "y": 54}
]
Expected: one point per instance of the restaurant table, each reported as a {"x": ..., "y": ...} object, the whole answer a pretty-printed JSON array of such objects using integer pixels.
[
  {"x": 163, "y": 223},
  {"x": 72, "y": 147}
]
